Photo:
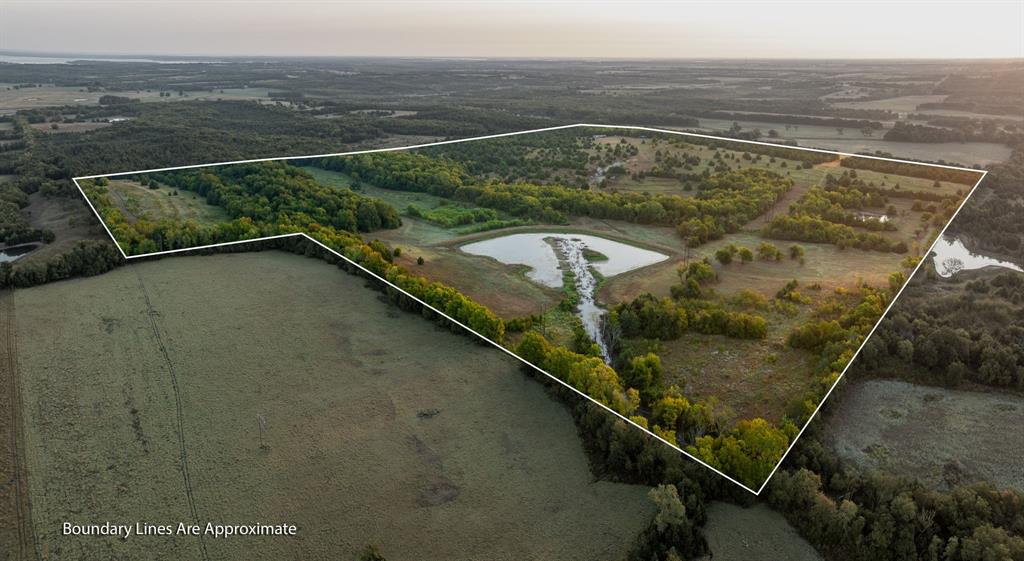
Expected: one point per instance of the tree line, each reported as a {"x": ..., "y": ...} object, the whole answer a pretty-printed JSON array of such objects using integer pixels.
[
  {"x": 912, "y": 170},
  {"x": 807, "y": 228},
  {"x": 246, "y": 189},
  {"x": 723, "y": 204}
]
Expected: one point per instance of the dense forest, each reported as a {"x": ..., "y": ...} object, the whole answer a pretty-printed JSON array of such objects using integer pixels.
[{"x": 993, "y": 221}]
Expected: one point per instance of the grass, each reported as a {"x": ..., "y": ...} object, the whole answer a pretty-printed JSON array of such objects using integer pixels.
[
  {"x": 381, "y": 427},
  {"x": 68, "y": 219},
  {"x": 142, "y": 202},
  {"x": 824, "y": 264},
  {"x": 752, "y": 377},
  {"x": 932, "y": 434},
  {"x": 47, "y": 128},
  {"x": 756, "y": 533},
  {"x": 504, "y": 289},
  {"x": 804, "y": 177},
  {"x": 645, "y": 160}
]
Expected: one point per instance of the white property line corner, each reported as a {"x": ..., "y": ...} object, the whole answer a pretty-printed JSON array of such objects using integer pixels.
[{"x": 499, "y": 346}]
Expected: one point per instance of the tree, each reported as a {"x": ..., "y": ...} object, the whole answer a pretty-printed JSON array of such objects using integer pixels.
[
  {"x": 724, "y": 256},
  {"x": 671, "y": 511},
  {"x": 371, "y": 553},
  {"x": 645, "y": 374},
  {"x": 768, "y": 252},
  {"x": 746, "y": 255}
]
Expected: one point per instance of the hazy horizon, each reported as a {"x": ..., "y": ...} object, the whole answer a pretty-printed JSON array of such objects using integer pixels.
[{"x": 524, "y": 29}]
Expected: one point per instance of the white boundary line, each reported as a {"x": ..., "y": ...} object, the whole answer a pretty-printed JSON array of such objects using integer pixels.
[
  {"x": 877, "y": 323},
  {"x": 518, "y": 133},
  {"x": 500, "y": 347}
]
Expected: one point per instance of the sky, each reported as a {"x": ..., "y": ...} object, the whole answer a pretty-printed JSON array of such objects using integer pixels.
[{"x": 535, "y": 29}]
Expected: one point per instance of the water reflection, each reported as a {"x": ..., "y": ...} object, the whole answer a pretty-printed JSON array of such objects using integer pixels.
[
  {"x": 951, "y": 257},
  {"x": 12, "y": 253}
]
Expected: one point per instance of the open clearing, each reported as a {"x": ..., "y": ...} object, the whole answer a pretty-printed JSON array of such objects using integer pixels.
[
  {"x": 753, "y": 534},
  {"x": 938, "y": 435},
  {"x": 381, "y": 427},
  {"x": 71, "y": 221},
  {"x": 753, "y": 377},
  {"x": 139, "y": 201}
]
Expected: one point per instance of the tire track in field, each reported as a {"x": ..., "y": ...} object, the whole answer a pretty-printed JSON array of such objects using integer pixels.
[
  {"x": 179, "y": 413},
  {"x": 14, "y": 463}
]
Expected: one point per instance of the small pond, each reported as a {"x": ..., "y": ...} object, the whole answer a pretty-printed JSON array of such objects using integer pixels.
[
  {"x": 12, "y": 253},
  {"x": 531, "y": 250},
  {"x": 546, "y": 254},
  {"x": 952, "y": 257}
]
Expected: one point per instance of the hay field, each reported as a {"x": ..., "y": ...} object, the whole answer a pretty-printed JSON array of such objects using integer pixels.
[{"x": 381, "y": 427}]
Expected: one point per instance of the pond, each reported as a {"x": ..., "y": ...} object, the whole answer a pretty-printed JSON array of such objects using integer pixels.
[
  {"x": 952, "y": 257},
  {"x": 533, "y": 251},
  {"x": 12, "y": 253},
  {"x": 872, "y": 216},
  {"x": 546, "y": 254}
]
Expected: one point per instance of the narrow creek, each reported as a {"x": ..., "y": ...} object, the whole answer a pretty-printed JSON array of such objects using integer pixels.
[
  {"x": 549, "y": 254},
  {"x": 586, "y": 286}
]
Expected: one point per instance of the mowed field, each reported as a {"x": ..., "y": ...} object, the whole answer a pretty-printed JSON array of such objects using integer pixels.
[
  {"x": 940, "y": 436},
  {"x": 756, "y": 533},
  {"x": 381, "y": 427}
]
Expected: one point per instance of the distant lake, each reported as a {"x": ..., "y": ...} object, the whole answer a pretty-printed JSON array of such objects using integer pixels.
[{"x": 951, "y": 257}]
